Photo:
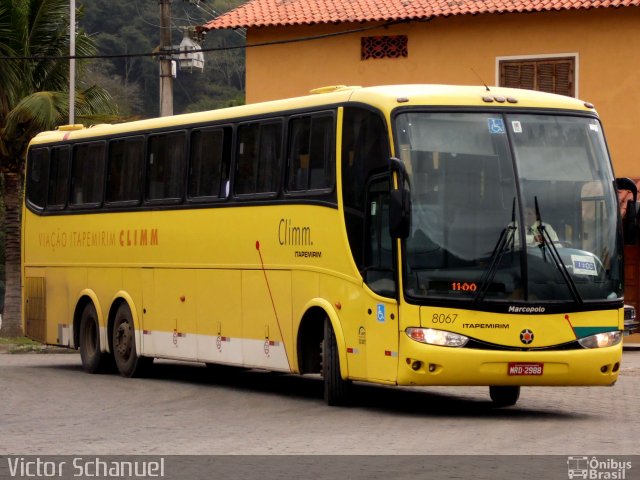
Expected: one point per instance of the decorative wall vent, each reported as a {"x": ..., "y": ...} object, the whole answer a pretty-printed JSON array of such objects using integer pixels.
[{"x": 389, "y": 46}]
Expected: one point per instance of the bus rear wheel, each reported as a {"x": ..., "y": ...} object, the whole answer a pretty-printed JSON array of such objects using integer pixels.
[
  {"x": 129, "y": 363},
  {"x": 336, "y": 390},
  {"x": 93, "y": 359},
  {"x": 504, "y": 396}
]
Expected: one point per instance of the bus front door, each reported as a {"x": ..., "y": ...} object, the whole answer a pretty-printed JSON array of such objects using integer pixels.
[{"x": 380, "y": 277}]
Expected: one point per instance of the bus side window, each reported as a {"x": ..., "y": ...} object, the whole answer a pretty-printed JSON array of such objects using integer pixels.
[
  {"x": 209, "y": 163},
  {"x": 87, "y": 174},
  {"x": 58, "y": 178},
  {"x": 247, "y": 159},
  {"x": 321, "y": 163},
  {"x": 365, "y": 153},
  {"x": 270, "y": 158},
  {"x": 298, "y": 158},
  {"x": 310, "y": 157},
  {"x": 165, "y": 166},
  {"x": 124, "y": 170},
  {"x": 37, "y": 177},
  {"x": 259, "y": 155},
  {"x": 378, "y": 271}
]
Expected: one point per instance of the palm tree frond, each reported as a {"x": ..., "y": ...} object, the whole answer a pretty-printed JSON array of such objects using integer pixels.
[
  {"x": 95, "y": 100},
  {"x": 39, "y": 111}
]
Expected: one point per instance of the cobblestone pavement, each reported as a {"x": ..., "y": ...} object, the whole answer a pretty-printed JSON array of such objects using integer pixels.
[{"x": 50, "y": 406}]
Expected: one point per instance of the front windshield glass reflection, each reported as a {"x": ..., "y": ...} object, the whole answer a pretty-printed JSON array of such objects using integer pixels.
[{"x": 470, "y": 197}]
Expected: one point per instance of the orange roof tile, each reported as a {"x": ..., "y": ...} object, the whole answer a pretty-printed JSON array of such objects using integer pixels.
[{"x": 271, "y": 13}]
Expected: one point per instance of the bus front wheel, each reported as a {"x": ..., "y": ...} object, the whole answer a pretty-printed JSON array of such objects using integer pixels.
[
  {"x": 336, "y": 389},
  {"x": 504, "y": 396},
  {"x": 124, "y": 345},
  {"x": 93, "y": 359}
]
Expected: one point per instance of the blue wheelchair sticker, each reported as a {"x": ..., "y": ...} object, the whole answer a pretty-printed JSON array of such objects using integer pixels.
[
  {"x": 496, "y": 126},
  {"x": 381, "y": 313}
]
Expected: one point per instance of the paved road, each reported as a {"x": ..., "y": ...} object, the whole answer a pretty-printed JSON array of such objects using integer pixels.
[{"x": 50, "y": 406}]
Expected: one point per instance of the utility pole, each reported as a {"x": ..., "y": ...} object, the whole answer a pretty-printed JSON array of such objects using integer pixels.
[
  {"x": 166, "y": 78},
  {"x": 72, "y": 62}
]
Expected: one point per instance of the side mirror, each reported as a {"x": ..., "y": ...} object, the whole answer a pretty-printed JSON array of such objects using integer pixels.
[
  {"x": 399, "y": 201},
  {"x": 629, "y": 223}
]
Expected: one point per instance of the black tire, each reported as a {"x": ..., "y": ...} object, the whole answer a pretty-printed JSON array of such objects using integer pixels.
[
  {"x": 337, "y": 391},
  {"x": 504, "y": 396},
  {"x": 93, "y": 359},
  {"x": 129, "y": 363}
]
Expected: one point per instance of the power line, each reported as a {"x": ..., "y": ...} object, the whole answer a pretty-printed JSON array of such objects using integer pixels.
[
  {"x": 212, "y": 12},
  {"x": 204, "y": 50}
]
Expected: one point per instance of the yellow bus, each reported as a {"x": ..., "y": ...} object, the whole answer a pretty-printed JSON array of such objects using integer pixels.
[{"x": 401, "y": 235}]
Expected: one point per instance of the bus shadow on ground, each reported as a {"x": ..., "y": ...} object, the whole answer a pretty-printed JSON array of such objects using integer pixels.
[
  {"x": 397, "y": 400},
  {"x": 420, "y": 401}
]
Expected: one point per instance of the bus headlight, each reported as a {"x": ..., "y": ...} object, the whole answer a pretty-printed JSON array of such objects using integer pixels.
[
  {"x": 436, "y": 337},
  {"x": 601, "y": 340}
]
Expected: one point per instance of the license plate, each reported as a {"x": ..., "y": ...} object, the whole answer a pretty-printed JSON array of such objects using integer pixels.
[{"x": 525, "y": 369}]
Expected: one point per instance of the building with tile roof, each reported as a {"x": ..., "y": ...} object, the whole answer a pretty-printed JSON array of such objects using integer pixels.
[{"x": 279, "y": 13}]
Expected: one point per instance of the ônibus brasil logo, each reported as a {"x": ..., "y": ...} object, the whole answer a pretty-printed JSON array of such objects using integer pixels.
[{"x": 597, "y": 469}]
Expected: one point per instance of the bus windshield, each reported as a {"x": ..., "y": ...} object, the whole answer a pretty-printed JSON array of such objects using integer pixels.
[{"x": 509, "y": 207}]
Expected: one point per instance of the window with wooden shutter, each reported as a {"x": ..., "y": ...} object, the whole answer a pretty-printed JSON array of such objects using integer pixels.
[{"x": 552, "y": 75}]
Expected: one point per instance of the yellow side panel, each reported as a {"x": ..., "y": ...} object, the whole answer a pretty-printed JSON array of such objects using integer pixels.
[
  {"x": 61, "y": 299},
  {"x": 172, "y": 316},
  {"x": 261, "y": 290},
  {"x": 382, "y": 339},
  {"x": 219, "y": 313}
]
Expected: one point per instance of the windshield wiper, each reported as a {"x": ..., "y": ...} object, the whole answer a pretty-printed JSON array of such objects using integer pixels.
[
  {"x": 547, "y": 242},
  {"x": 505, "y": 242}
]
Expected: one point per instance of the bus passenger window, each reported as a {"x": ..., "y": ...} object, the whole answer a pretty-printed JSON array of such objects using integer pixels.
[
  {"x": 58, "y": 178},
  {"x": 37, "y": 176},
  {"x": 310, "y": 153},
  {"x": 209, "y": 163},
  {"x": 87, "y": 173},
  {"x": 124, "y": 170},
  {"x": 298, "y": 175},
  {"x": 259, "y": 158},
  {"x": 165, "y": 166}
]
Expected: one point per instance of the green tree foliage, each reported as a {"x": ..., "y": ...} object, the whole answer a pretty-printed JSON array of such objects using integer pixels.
[
  {"x": 34, "y": 93},
  {"x": 133, "y": 26},
  {"x": 34, "y": 97}
]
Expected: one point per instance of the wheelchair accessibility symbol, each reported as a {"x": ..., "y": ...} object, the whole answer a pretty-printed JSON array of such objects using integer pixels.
[
  {"x": 496, "y": 126},
  {"x": 380, "y": 312}
]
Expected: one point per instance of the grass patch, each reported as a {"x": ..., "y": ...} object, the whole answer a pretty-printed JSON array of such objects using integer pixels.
[
  {"x": 26, "y": 345},
  {"x": 18, "y": 341}
]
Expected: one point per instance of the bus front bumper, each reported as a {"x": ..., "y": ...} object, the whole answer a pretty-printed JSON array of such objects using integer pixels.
[{"x": 421, "y": 364}]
